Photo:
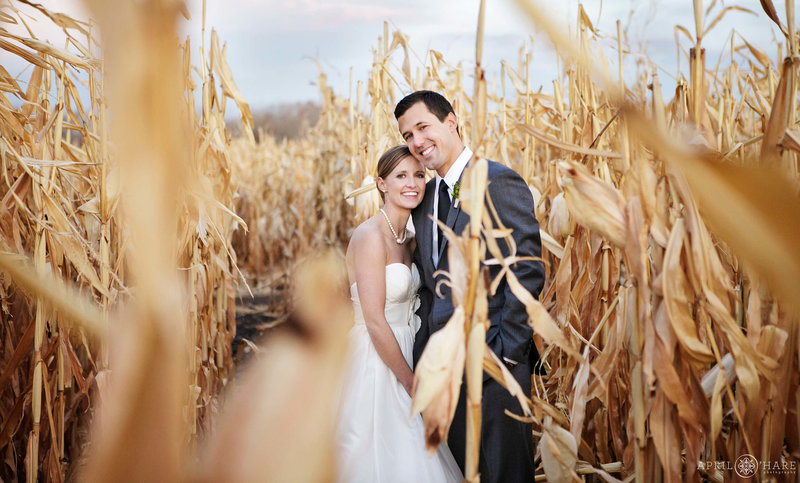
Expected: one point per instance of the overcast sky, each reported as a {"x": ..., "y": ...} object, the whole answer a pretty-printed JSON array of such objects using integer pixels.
[{"x": 272, "y": 43}]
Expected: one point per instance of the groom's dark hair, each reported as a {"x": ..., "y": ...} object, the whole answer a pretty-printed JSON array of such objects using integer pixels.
[{"x": 435, "y": 102}]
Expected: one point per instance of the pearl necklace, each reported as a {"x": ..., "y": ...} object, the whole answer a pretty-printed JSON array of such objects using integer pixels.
[{"x": 396, "y": 238}]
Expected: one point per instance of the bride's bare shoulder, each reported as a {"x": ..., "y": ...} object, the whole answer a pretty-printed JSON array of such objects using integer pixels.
[{"x": 367, "y": 235}]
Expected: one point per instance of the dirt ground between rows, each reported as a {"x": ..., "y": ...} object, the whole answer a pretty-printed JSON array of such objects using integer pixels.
[{"x": 254, "y": 317}]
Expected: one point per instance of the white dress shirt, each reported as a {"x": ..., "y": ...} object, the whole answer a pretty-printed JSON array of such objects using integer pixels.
[{"x": 450, "y": 179}]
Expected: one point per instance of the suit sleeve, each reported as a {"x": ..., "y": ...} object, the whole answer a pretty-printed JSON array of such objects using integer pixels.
[{"x": 514, "y": 204}]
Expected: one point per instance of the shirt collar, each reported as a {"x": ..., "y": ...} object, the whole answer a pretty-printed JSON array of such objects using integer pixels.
[{"x": 454, "y": 173}]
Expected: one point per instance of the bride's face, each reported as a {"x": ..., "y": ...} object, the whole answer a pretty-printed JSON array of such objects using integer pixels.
[{"x": 405, "y": 185}]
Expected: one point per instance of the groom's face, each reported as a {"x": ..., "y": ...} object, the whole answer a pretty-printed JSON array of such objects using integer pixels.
[{"x": 434, "y": 143}]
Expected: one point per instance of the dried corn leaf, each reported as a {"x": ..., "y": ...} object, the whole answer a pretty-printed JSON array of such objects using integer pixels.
[
  {"x": 585, "y": 19},
  {"x": 782, "y": 106},
  {"x": 580, "y": 393},
  {"x": 759, "y": 54},
  {"x": 219, "y": 65},
  {"x": 677, "y": 296},
  {"x": 437, "y": 379},
  {"x": 769, "y": 8},
  {"x": 722, "y": 14},
  {"x": 29, "y": 57},
  {"x": 75, "y": 252},
  {"x": 594, "y": 203},
  {"x": 22, "y": 348},
  {"x": 47, "y": 49},
  {"x": 791, "y": 140},
  {"x": 63, "y": 21},
  {"x": 572, "y": 148},
  {"x": 559, "y": 452},
  {"x": 69, "y": 302},
  {"x": 666, "y": 437}
]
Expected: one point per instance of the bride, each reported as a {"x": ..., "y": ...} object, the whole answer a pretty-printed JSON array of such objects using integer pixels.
[{"x": 377, "y": 441}]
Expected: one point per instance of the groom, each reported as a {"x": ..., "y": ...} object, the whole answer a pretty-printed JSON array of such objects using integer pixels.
[{"x": 429, "y": 127}]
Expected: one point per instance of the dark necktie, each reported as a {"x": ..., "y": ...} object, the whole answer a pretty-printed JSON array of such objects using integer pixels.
[{"x": 444, "y": 208}]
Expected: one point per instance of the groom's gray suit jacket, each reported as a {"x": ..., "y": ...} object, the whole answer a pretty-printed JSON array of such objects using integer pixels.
[{"x": 509, "y": 334}]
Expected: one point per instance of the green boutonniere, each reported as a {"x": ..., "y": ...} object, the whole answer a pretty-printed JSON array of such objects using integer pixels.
[{"x": 456, "y": 189}]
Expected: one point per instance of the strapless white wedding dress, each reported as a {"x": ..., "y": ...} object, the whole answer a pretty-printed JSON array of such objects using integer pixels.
[{"x": 376, "y": 439}]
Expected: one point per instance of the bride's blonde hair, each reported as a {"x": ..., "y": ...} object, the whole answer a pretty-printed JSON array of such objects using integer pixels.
[{"x": 388, "y": 161}]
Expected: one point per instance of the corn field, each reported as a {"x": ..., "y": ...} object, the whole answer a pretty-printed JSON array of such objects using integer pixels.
[
  {"x": 131, "y": 220},
  {"x": 84, "y": 202}
]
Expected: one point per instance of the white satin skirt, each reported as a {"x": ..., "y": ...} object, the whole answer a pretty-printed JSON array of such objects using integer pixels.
[{"x": 377, "y": 441}]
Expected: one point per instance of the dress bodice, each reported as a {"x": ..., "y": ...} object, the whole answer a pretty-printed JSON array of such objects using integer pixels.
[{"x": 401, "y": 296}]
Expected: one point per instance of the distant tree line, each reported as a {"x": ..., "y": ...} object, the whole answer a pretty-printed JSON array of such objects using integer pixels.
[{"x": 282, "y": 121}]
